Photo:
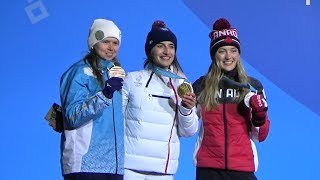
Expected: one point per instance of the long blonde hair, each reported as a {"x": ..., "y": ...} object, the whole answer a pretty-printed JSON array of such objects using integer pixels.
[{"x": 209, "y": 95}]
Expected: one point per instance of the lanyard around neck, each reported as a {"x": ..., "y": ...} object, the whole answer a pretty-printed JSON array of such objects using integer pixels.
[{"x": 164, "y": 72}]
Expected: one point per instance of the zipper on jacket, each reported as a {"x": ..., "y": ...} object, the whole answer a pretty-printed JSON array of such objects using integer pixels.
[
  {"x": 114, "y": 130},
  {"x": 225, "y": 136},
  {"x": 115, "y": 137},
  {"x": 174, "y": 120}
]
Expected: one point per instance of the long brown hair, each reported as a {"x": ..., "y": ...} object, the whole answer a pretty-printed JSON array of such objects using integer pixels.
[{"x": 93, "y": 59}]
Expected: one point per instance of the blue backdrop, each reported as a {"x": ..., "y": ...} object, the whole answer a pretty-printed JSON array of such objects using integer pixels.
[{"x": 279, "y": 41}]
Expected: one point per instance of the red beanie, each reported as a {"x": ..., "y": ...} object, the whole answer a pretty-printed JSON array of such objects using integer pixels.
[{"x": 223, "y": 35}]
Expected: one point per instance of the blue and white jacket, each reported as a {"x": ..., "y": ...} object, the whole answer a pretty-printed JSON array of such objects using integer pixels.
[{"x": 93, "y": 137}]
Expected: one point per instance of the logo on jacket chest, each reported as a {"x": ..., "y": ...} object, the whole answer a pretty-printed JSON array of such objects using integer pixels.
[
  {"x": 228, "y": 93},
  {"x": 137, "y": 81}
]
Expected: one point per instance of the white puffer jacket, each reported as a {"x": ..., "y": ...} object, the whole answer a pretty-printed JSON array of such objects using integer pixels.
[{"x": 151, "y": 130}]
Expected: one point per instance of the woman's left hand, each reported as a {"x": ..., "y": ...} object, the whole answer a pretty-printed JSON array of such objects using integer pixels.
[{"x": 189, "y": 100}]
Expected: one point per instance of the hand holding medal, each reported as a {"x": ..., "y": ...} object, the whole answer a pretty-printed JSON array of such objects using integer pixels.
[
  {"x": 188, "y": 98},
  {"x": 183, "y": 89}
]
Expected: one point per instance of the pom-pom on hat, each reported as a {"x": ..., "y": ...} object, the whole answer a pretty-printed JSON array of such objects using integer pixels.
[
  {"x": 223, "y": 35},
  {"x": 101, "y": 29},
  {"x": 159, "y": 32}
]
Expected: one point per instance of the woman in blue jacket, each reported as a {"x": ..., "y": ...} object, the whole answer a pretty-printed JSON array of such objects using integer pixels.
[{"x": 92, "y": 141}]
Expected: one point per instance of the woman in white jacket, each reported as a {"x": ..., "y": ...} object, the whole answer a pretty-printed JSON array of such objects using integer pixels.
[{"x": 156, "y": 111}]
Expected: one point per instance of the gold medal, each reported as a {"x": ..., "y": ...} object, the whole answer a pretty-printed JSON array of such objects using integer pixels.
[
  {"x": 117, "y": 71},
  {"x": 183, "y": 89}
]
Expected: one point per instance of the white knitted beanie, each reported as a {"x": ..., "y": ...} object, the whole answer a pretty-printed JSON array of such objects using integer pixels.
[{"x": 101, "y": 29}]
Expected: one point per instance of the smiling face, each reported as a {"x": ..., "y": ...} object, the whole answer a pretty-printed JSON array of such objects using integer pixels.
[
  {"x": 163, "y": 54},
  {"x": 227, "y": 57},
  {"x": 108, "y": 48}
]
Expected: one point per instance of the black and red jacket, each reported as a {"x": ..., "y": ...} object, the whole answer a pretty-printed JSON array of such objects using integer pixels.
[{"x": 225, "y": 139}]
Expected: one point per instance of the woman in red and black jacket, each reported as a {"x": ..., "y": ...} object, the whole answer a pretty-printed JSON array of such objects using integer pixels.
[{"x": 233, "y": 110}]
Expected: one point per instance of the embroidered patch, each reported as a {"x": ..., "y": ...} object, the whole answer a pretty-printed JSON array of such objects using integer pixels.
[
  {"x": 99, "y": 35},
  {"x": 138, "y": 82}
]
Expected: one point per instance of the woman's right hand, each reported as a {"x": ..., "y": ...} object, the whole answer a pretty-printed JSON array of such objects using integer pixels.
[{"x": 188, "y": 100}]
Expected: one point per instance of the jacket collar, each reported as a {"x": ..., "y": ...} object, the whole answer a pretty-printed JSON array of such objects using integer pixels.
[{"x": 105, "y": 64}]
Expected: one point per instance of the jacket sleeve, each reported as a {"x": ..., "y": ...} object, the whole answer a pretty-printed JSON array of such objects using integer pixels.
[
  {"x": 187, "y": 121},
  {"x": 259, "y": 133},
  {"x": 78, "y": 105}
]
